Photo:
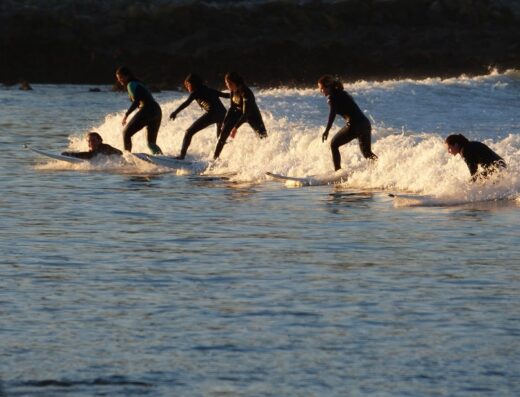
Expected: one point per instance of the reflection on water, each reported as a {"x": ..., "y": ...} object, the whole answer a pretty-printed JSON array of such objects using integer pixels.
[
  {"x": 339, "y": 200},
  {"x": 492, "y": 206},
  {"x": 144, "y": 180},
  {"x": 138, "y": 283}
]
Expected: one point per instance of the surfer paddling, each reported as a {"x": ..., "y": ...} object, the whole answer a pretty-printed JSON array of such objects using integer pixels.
[
  {"x": 209, "y": 101},
  {"x": 358, "y": 126},
  {"x": 149, "y": 114},
  {"x": 96, "y": 146},
  {"x": 475, "y": 154},
  {"x": 243, "y": 109}
]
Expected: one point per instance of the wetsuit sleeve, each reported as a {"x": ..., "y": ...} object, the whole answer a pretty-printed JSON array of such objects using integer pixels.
[
  {"x": 79, "y": 155},
  {"x": 138, "y": 96},
  {"x": 332, "y": 116},
  {"x": 103, "y": 149},
  {"x": 185, "y": 104},
  {"x": 220, "y": 93}
]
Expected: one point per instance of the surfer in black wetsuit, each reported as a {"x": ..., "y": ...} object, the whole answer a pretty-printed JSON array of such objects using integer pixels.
[
  {"x": 149, "y": 114},
  {"x": 358, "y": 126},
  {"x": 96, "y": 146},
  {"x": 474, "y": 154},
  {"x": 243, "y": 109},
  {"x": 209, "y": 100}
]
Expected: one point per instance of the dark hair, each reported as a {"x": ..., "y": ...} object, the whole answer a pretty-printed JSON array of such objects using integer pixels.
[
  {"x": 95, "y": 134},
  {"x": 125, "y": 71},
  {"x": 456, "y": 139},
  {"x": 234, "y": 77},
  {"x": 330, "y": 82},
  {"x": 195, "y": 80}
]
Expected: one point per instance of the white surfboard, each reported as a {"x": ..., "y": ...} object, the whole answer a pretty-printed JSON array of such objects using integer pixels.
[
  {"x": 419, "y": 200},
  {"x": 311, "y": 180},
  {"x": 60, "y": 157},
  {"x": 164, "y": 161},
  {"x": 217, "y": 175}
]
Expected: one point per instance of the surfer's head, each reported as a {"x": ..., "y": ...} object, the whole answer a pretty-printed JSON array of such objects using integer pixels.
[
  {"x": 193, "y": 82},
  {"x": 455, "y": 143},
  {"x": 327, "y": 83},
  {"x": 94, "y": 140},
  {"x": 233, "y": 81},
  {"x": 124, "y": 75}
]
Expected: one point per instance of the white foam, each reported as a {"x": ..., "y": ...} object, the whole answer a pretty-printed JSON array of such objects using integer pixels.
[{"x": 410, "y": 145}]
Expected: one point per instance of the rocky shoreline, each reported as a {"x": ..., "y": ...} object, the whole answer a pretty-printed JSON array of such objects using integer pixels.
[{"x": 286, "y": 43}]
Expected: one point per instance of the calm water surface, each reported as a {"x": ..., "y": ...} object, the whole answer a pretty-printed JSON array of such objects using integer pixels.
[{"x": 124, "y": 284}]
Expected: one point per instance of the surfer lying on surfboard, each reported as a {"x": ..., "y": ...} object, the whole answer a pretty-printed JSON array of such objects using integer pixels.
[
  {"x": 474, "y": 154},
  {"x": 96, "y": 146}
]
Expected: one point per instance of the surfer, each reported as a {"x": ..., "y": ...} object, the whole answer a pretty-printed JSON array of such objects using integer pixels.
[
  {"x": 358, "y": 126},
  {"x": 474, "y": 154},
  {"x": 149, "y": 114},
  {"x": 243, "y": 109},
  {"x": 209, "y": 100},
  {"x": 96, "y": 146}
]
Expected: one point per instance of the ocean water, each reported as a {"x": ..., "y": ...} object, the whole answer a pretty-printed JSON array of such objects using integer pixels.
[{"x": 121, "y": 278}]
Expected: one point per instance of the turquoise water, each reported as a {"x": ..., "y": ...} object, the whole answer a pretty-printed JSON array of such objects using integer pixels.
[{"x": 129, "y": 280}]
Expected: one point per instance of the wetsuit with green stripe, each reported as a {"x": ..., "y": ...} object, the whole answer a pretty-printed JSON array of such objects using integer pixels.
[
  {"x": 243, "y": 109},
  {"x": 149, "y": 115},
  {"x": 209, "y": 100}
]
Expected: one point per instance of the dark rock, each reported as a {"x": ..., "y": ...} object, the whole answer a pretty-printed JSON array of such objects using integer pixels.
[{"x": 25, "y": 86}]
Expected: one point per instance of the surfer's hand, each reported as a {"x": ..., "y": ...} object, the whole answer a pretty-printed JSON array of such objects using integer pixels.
[
  {"x": 173, "y": 116},
  {"x": 124, "y": 120},
  {"x": 324, "y": 136},
  {"x": 233, "y": 132}
]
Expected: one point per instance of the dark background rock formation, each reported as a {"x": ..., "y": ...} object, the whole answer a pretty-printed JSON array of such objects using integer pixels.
[{"x": 287, "y": 43}]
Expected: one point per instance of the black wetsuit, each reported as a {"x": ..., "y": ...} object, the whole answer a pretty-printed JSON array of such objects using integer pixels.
[
  {"x": 476, "y": 153},
  {"x": 103, "y": 148},
  {"x": 243, "y": 109},
  {"x": 149, "y": 115},
  {"x": 209, "y": 100},
  {"x": 358, "y": 126}
]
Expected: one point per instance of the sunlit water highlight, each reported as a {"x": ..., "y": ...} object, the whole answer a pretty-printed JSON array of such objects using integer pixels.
[{"x": 121, "y": 278}]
